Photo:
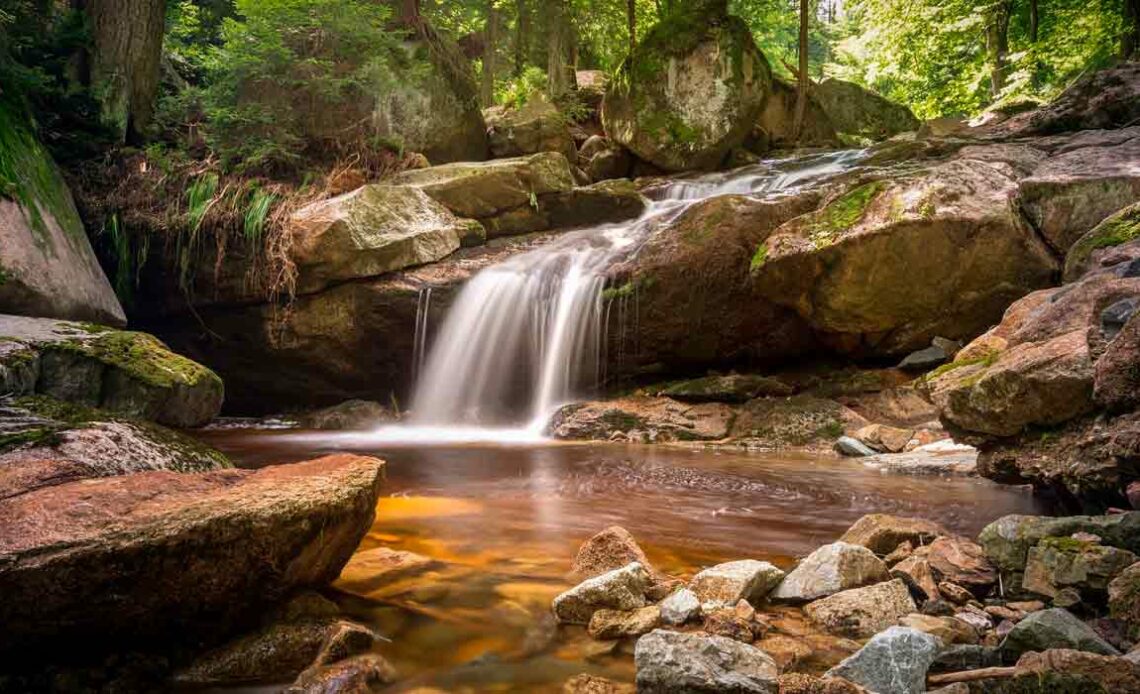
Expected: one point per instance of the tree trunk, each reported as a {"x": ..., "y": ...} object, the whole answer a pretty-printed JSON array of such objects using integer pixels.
[
  {"x": 490, "y": 45},
  {"x": 1130, "y": 39},
  {"x": 1035, "y": 21},
  {"x": 631, "y": 19},
  {"x": 997, "y": 44},
  {"x": 804, "y": 82},
  {"x": 125, "y": 61},
  {"x": 560, "y": 49},
  {"x": 522, "y": 35}
]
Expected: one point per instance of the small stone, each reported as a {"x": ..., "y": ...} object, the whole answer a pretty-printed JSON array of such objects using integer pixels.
[
  {"x": 883, "y": 438},
  {"x": 980, "y": 621},
  {"x": 955, "y": 593},
  {"x": 862, "y": 612},
  {"x": 881, "y": 533},
  {"x": 680, "y": 607},
  {"x": 621, "y": 589},
  {"x": 917, "y": 575},
  {"x": 853, "y": 448},
  {"x": 787, "y": 651},
  {"x": 1053, "y": 628},
  {"x": 938, "y": 608},
  {"x": 904, "y": 550},
  {"x": 924, "y": 359},
  {"x": 798, "y": 683},
  {"x": 829, "y": 570},
  {"x": 1003, "y": 628},
  {"x": 726, "y": 584},
  {"x": 616, "y": 624},
  {"x": 950, "y": 630},
  {"x": 362, "y": 673},
  {"x": 668, "y": 662},
  {"x": 610, "y": 549},
  {"x": 589, "y": 684},
  {"x": 1000, "y": 612},
  {"x": 965, "y": 657},
  {"x": 729, "y": 624},
  {"x": 893, "y": 662},
  {"x": 961, "y": 561},
  {"x": 1026, "y": 606}
]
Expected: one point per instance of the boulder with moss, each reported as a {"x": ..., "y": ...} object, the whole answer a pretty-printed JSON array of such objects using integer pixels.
[
  {"x": 854, "y": 110},
  {"x": 778, "y": 119},
  {"x": 802, "y": 420},
  {"x": 691, "y": 90},
  {"x": 535, "y": 127},
  {"x": 1107, "y": 246},
  {"x": 127, "y": 373},
  {"x": 887, "y": 264},
  {"x": 641, "y": 419},
  {"x": 47, "y": 266}
]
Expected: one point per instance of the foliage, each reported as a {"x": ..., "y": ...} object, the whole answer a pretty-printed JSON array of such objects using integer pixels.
[{"x": 516, "y": 91}]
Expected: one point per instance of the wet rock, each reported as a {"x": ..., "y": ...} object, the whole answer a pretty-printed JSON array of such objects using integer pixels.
[
  {"x": 589, "y": 684},
  {"x": 370, "y": 231},
  {"x": 961, "y": 561},
  {"x": 881, "y": 533},
  {"x": 536, "y": 127},
  {"x": 118, "y": 559},
  {"x": 862, "y": 612},
  {"x": 610, "y": 549},
  {"x": 938, "y": 458},
  {"x": 830, "y": 569},
  {"x": 919, "y": 578},
  {"x": 126, "y": 373},
  {"x": 680, "y": 607},
  {"x": 692, "y": 122},
  {"x": 801, "y": 420},
  {"x": 349, "y": 415},
  {"x": 1007, "y": 540},
  {"x": 733, "y": 388},
  {"x": 620, "y": 589},
  {"x": 357, "y": 675},
  {"x": 602, "y": 159},
  {"x": 949, "y": 630},
  {"x": 669, "y": 661},
  {"x": 853, "y": 447},
  {"x": 893, "y": 662},
  {"x": 730, "y": 623},
  {"x": 371, "y": 569},
  {"x": 1057, "y": 563},
  {"x": 1053, "y": 628},
  {"x": 1079, "y": 668},
  {"x": 924, "y": 359},
  {"x": 606, "y": 202},
  {"x": 726, "y": 584},
  {"x": 787, "y": 651},
  {"x": 855, "y": 110},
  {"x": 978, "y": 619},
  {"x": 965, "y": 657},
  {"x": 636, "y": 418},
  {"x": 885, "y": 439},
  {"x": 1124, "y": 597},
  {"x": 616, "y": 624}
]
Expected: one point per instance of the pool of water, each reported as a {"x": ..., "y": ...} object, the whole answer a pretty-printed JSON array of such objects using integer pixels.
[{"x": 504, "y": 521}]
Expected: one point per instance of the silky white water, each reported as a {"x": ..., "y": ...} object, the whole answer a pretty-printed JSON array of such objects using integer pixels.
[{"x": 527, "y": 335}]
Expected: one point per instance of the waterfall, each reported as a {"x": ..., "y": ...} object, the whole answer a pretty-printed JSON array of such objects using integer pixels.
[{"x": 526, "y": 336}]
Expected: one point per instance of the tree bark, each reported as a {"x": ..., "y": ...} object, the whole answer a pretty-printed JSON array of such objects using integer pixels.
[
  {"x": 1035, "y": 20},
  {"x": 803, "y": 81},
  {"x": 631, "y": 20},
  {"x": 124, "y": 61},
  {"x": 490, "y": 45},
  {"x": 560, "y": 49},
  {"x": 1130, "y": 39},
  {"x": 997, "y": 44},
  {"x": 522, "y": 34}
]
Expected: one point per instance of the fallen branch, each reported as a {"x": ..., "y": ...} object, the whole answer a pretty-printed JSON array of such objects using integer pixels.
[{"x": 972, "y": 675}]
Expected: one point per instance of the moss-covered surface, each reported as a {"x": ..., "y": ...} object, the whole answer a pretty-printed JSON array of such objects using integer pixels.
[
  {"x": 842, "y": 213},
  {"x": 141, "y": 355},
  {"x": 1120, "y": 228},
  {"x": 759, "y": 258},
  {"x": 985, "y": 360}
]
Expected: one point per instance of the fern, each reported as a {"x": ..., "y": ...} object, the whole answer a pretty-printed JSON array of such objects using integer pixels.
[{"x": 256, "y": 213}]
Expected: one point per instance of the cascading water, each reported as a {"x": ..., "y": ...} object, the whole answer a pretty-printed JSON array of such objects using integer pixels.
[{"x": 526, "y": 335}]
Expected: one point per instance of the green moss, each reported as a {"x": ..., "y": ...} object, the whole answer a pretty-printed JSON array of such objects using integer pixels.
[
  {"x": 1064, "y": 544},
  {"x": 984, "y": 361},
  {"x": 759, "y": 258},
  {"x": 1122, "y": 227},
  {"x": 141, "y": 355},
  {"x": 842, "y": 213},
  {"x": 831, "y": 430},
  {"x": 621, "y": 421},
  {"x": 58, "y": 410}
]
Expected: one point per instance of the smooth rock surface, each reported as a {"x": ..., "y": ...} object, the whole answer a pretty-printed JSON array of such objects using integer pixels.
[
  {"x": 862, "y": 612},
  {"x": 726, "y": 584},
  {"x": 830, "y": 569},
  {"x": 893, "y": 662},
  {"x": 669, "y": 662},
  {"x": 620, "y": 589}
]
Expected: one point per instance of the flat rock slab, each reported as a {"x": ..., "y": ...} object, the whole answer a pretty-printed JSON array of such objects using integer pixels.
[{"x": 119, "y": 560}]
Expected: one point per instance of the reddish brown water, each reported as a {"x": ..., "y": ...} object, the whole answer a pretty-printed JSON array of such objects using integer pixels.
[{"x": 506, "y": 521}]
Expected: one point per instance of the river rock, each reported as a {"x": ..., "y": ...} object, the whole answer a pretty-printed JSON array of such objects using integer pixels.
[
  {"x": 947, "y": 225},
  {"x": 125, "y": 373},
  {"x": 948, "y": 630},
  {"x": 616, "y": 624},
  {"x": 961, "y": 657},
  {"x": 620, "y": 589},
  {"x": 801, "y": 420},
  {"x": 726, "y": 584},
  {"x": 642, "y": 418},
  {"x": 1055, "y": 668},
  {"x": 610, "y": 549},
  {"x": 602, "y": 159},
  {"x": 1007, "y": 540},
  {"x": 915, "y": 571},
  {"x": 829, "y": 570},
  {"x": 893, "y": 662},
  {"x": 115, "y": 560},
  {"x": 779, "y": 114},
  {"x": 855, "y": 110},
  {"x": 961, "y": 561},
  {"x": 369, "y": 231},
  {"x": 1059, "y": 563},
  {"x": 680, "y": 607},
  {"x": 604, "y": 202},
  {"x": 853, "y": 447},
  {"x": 719, "y": 84},
  {"x": 357, "y": 675},
  {"x": 881, "y": 533},
  {"x": 1124, "y": 597},
  {"x": 589, "y": 684},
  {"x": 885, "y": 439},
  {"x": 734, "y": 388},
  {"x": 374, "y": 568},
  {"x": 47, "y": 266},
  {"x": 535, "y": 127},
  {"x": 353, "y": 415},
  {"x": 669, "y": 661},
  {"x": 862, "y": 612},
  {"x": 1053, "y": 628}
]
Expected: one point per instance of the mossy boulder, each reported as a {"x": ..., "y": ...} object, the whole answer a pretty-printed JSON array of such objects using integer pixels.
[
  {"x": 47, "y": 267},
  {"x": 1065, "y": 563},
  {"x": 127, "y": 373},
  {"x": 731, "y": 388},
  {"x": 1007, "y": 540},
  {"x": 1101, "y": 246},
  {"x": 690, "y": 91},
  {"x": 535, "y": 127},
  {"x": 854, "y": 110},
  {"x": 641, "y": 419},
  {"x": 887, "y": 264},
  {"x": 801, "y": 420},
  {"x": 369, "y": 231}
]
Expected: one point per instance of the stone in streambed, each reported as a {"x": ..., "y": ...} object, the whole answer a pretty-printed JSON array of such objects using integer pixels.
[
  {"x": 893, "y": 662},
  {"x": 949, "y": 630},
  {"x": 799, "y": 683},
  {"x": 680, "y": 607},
  {"x": 853, "y": 447},
  {"x": 357, "y": 675},
  {"x": 589, "y": 684},
  {"x": 616, "y": 624},
  {"x": 1060, "y": 563},
  {"x": 610, "y": 549},
  {"x": 726, "y": 584},
  {"x": 373, "y": 568},
  {"x": 620, "y": 589},
  {"x": 862, "y": 612},
  {"x": 925, "y": 359},
  {"x": 885, "y": 439},
  {"x": 961, "y": 561},
  {"x": 882, "y": 533},
  {"x": 1053, "y": 628},
  {"x": 829, "y": 570},
  {"x": 668, "y": 662},
  {"x": 1124, "y": 597}
]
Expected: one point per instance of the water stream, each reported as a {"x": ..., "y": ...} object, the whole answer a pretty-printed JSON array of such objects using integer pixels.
[{"x": 527, "y": 335}]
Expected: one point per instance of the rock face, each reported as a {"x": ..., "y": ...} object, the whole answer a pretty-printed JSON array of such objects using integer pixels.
[
  {"x": 370, "y": 231},
  {"x": 1103, "y": 99},
  {"x": 1124, "y": 597},
  {"x": 669, "y": 661},
  {"x": 854, "y": 110},
  {"x": 949, "y": 226},
  {"x": 778, "y": 119},
  {"x": 862, "y": 612},
  {"x": 1053, "y": 628},
  {"x": 637, "y": 419},
  {"x": 895, "y": 661},
  {"x": 536, "y": 127},
  {"x": 734, "y": 388},
  {"x": 1007, "y": 540},
  {"x": 115, "y": 560},
  {"x": 690, "y": 91},
  {"x": 829, "y": 570},
  {"x": 47, "y": 267},
  {"x": 1057, "y": 564},
  {"x": 620, "y": 589},
  {"x": 126, "y": 373},
  {"x": 724, "y": 585}
]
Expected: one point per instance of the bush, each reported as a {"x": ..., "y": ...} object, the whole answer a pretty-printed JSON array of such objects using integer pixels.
[{"x": 516, "y": 91}]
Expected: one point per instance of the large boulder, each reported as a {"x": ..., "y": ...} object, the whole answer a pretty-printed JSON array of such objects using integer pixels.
[
  {"x": 126, "y": 373},
  {"x": 1107, "y": 98},
  {"x": 1058, "y": 564},
  {"x": 882, "y": 533},
  {"x": 724, "y": 585},
  {"x": 778, "y": 119},
  {"x": 1053, "y": 628},
  {"x": 829, "y": 570},
  {"x": 641, "y": 419},
  {"x": 860, "y": 613},
  {"x": 370, "y": 231},
  {"x": 690, "y": 91},
  {"x": 1007, "y": 540},
  {"x": 670, "y": 661},
  {"x": 118, "y": 560},
  {"x": 869, "y": 271},
  {"x": 895, "y": 661},
  {"x": 854, "y": 110},
  {"x": 610, "y": 549},
  {"x": 535, "y": 127},
  {"x": 47, "y": 267}
]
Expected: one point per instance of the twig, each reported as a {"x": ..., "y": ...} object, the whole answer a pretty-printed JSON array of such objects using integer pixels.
[{"x": 972, "y": 675}]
